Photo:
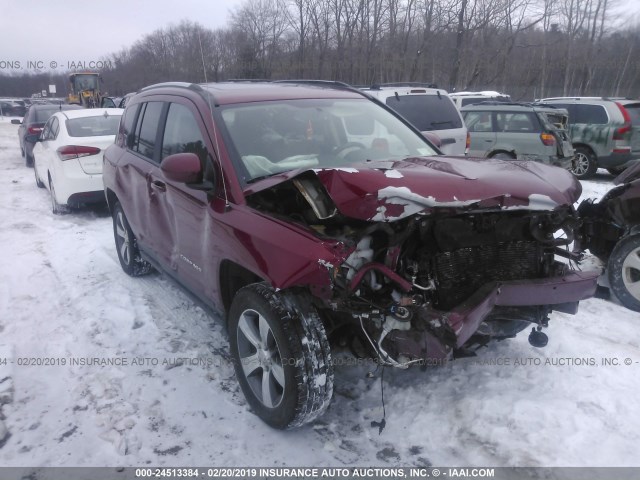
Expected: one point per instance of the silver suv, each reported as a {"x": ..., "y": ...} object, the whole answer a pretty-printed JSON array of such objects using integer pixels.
[
  {"x": 605, "y": 132},
  {"x": 428, "y": 109},
  {"x": 519, "y": 131}
]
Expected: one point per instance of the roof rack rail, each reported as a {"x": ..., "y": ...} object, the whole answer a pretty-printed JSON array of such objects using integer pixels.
[
  {"x": 325, "y": 83},
  {"x": 497, "y": 103},
  {"x": 377, "y": 86},
  {"x": 190, "y": 86},
  {"x": 252, "y": 80}
]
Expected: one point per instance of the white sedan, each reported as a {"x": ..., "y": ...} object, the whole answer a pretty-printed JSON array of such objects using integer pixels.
[{"x": 68, "y": 155}]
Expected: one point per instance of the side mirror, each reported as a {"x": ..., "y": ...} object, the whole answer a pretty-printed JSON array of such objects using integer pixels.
[
  {"x": 32, "y": 138},
  {"x": 15, "y": 121},
  {"x": 433, "y": 138},
  {"x": 182, "y": 168}
]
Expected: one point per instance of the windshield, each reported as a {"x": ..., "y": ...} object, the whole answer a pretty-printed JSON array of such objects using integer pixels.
[
  {"x": 86, "y": 82},
  {"x": 275, "y": 137}
]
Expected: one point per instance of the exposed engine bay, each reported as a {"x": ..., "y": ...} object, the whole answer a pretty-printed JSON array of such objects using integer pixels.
[{"x": 441, "y": 281}]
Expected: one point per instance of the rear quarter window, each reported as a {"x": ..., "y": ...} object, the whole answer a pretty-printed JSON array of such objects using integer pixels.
[
  {"x": 427, "y": 112},
  {"x": 589, "y": 114}
]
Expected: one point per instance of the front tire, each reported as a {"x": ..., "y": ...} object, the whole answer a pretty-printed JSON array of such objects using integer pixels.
[
  {"x": 281, "y": 357},
  {"x": 39, "y": 182},
  {"x": 129, "y": 255},
  {"x": 584, "y": 163},
  {"x": 623, "y": 270}
]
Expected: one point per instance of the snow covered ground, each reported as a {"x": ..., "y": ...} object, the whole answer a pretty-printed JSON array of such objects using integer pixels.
[{"x": 63, "y": 297}]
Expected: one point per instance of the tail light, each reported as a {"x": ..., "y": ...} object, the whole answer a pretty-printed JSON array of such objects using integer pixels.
[
  {"x": 548, "y": 139},
  {"x": 34, "y": 130},
  {"x": 618, "y": 133},
  {"x": 70, "y": 152}
]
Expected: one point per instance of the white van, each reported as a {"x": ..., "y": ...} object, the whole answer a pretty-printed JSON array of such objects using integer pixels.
[{"x": 428, "y": 109}]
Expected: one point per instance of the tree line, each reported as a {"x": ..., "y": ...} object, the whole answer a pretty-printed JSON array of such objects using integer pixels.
[{"x": 527, "y": 48}]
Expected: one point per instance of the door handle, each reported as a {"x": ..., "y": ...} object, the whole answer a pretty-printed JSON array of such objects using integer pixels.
[
  {"x": 489, "y": 141},
  {"x": 158, "y": 185}
]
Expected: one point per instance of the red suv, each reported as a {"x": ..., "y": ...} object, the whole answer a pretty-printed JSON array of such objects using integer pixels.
[{"x": 313, "y": 215}]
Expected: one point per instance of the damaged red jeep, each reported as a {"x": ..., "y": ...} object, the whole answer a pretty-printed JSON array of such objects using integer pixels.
[{"x": 309, "y": 212}]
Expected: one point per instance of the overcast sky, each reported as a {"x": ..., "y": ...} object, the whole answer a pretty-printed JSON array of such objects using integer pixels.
[
  {"x": 51, "y": 33},
  {"x": 67, "y": 30}
]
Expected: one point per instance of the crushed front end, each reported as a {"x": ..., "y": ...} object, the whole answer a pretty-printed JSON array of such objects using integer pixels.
[{"x": 426, "y": 280}]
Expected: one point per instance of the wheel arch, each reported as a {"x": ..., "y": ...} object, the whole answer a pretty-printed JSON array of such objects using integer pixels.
[
  {"x": 586, "y": 147},
  {"x": 511, "y": 153},
  {"x": 231, "y": 278},
  {"x": 111, "y": 198}
]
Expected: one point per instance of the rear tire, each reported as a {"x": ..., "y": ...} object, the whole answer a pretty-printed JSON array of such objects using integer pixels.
[
  {"x": 28, "y": 160},
  {"x": 281, "y": 357},
  {"x": 56, "y": 208},
  {"x": 623, "y": 270},
  {"x": 129, "y": 255},
  {"x": 584, "y": 163}
]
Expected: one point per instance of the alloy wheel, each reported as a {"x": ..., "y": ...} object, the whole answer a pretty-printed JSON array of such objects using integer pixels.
[
  {"x": 123, "y": 239},
  {"x": 260, "y": 358},
  {"x": 631, "y": 273}
]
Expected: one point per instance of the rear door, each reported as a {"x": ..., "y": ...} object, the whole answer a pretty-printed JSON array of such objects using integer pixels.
[
  {"x": 519, "y": 132},
  {"x": 146, "y": 208},
  {"x": 481, "y": 131},
  {"x": 433, "y": 113}
]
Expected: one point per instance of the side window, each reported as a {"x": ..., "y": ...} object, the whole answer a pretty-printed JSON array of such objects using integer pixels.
[
  {"x": 182, "y": 134},
  {"x": 478, "y": 121},
  {"x": 125, "y": 130},
  {"x": 592, "y": 114},
  {"x": 144, "y": 141},
  {"x": 46, "y": 131},
  {"x": 55, "y": 127},
  {"x": 515, "y": 123}
]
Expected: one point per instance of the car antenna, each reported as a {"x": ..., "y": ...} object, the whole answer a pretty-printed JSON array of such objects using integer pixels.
[{"x": 227, "y": 205}]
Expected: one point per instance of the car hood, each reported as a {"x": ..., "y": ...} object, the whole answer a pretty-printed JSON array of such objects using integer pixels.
[{"x": 392, "y": 190}]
